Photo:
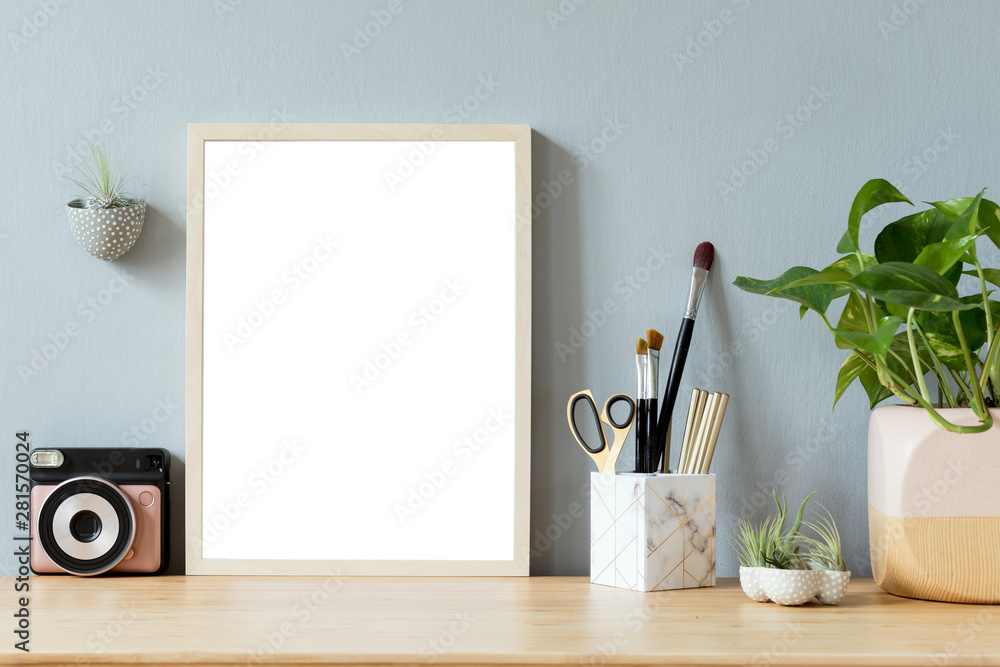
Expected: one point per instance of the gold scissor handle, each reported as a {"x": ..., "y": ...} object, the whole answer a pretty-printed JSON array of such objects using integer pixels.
[
  {"x": 621, "y": 429},
  {"x": 604, "y": 456}
]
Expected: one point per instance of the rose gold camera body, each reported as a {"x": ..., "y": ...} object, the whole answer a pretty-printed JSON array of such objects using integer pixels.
[{"x": 143, "y": 554}]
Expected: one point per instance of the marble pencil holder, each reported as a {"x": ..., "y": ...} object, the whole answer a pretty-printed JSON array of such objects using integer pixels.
[{"x": 652, "y": 532}]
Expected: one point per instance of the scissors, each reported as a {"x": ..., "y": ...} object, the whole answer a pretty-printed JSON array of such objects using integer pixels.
[{"x": 604, "y": 456}]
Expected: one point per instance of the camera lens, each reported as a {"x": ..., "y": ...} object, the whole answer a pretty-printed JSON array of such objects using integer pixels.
[{"x": 85, "y": 526}]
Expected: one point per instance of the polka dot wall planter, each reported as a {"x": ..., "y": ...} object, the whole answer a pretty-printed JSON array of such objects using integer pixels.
[
  {"x": 794, "y": 587},
  {"x": 106, "y": 233}
]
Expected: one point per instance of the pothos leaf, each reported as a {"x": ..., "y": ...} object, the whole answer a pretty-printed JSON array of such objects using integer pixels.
[
  {"x": 989, "y": 275},
  {"x": 852, "y": 318},
  {"x": 837, "y": 273},
  {"x": 910, "y": 286},
  {"x": 875, "y": 343},
  {"x": 939, "y": 329},
  {"x": 988, "y": 214},
  {"x": 874, "y": 193},
  {"x": 849, "y": 372},
  {"x": 902, "y": 240},
  {"x": 817, "y": 297},
  {"x": 941, "y": 256}
]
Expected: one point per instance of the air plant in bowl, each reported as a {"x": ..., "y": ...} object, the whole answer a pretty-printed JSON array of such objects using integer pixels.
[
  {"x": 788, "y": 567},
  {"x": 825, "y": 550},
  {"x": 107, "y": 219}
]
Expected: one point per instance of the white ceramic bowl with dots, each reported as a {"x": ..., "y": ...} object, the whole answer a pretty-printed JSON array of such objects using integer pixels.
[
  {"x": 790, "y": 587},
  {"x": 106, "y": 233},
  {"x": 794, "y": 587},
  {"x": 752, "y": 581},
  {"x": 833, "y": 586}
]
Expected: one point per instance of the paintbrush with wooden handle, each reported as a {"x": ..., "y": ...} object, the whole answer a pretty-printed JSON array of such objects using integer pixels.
[{"x": 654, "y": 343}]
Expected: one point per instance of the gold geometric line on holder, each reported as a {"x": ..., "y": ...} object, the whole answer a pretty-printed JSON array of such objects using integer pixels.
[
  {"x": 710, "y": 499},
  {"x": 631, "y": 588},
  {"x": 602, "y": 534},
  {"x": 664, "y": 540},
  {"x": 639, "y": 518},
  {"x": 665, "y": 504},
  {"x": 682, "y": 522},
  {"x": 603, "y": 571},
  {"x": 711, "y": 485},
  {"x": 599, "y": 497},
  {"x": 708, "y": 577},
  {"x": 694, "y": 577},
  {"x": 667, "y": 575},
  {"x": 625, "y": 511},
  {"x": 695, "y": 548},
  {"x": 625, "y": 547}
]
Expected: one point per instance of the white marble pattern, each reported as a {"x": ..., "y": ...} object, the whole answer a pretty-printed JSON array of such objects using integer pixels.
[
  {"x": 699, "y": 531},
  {"x": 628, "y": 493},
  {"x": 665, "y": 560},
  {"x": 662, "y": 528},
  {"x": 602, "y": 504},
  {"x": 602, "y": 529}
]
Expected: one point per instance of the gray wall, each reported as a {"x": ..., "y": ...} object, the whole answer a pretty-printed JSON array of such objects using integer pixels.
[{"x": 648, "y": 106}]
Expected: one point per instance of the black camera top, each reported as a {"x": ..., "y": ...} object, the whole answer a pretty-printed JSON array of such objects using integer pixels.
[{"x": 120, "y": 466}]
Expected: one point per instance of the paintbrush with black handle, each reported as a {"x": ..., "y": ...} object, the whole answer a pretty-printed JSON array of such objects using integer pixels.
[
  {"x": 704, "y": 254},
  {"x": 643, "y": 437}
]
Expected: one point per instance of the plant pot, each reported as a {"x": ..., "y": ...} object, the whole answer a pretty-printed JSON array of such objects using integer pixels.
[
  {"x": 106, "y": 233},
  {"x": 934, "y": 505},
  {"x": 752, "y": 582},
  {"x": 794, "y": 587}
]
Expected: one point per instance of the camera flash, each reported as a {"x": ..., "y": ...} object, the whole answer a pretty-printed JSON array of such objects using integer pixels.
[{"x": 46, "y": 458}]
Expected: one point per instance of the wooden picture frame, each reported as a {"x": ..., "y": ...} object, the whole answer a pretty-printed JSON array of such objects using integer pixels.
[{"x": 237, "y": 235}]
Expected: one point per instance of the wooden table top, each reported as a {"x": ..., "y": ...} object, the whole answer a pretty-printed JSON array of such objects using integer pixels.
[{"x": 538, "y": 620}]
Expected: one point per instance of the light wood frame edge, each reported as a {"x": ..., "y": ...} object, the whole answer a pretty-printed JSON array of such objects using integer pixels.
[
  {"x": 194, "y": 328},
  {"x": 522, "y": 353},
  {"x": 198, "y": 134}
]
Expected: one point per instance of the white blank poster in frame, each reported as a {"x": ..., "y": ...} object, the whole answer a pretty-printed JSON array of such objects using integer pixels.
[{"x": 358, "y": 349}]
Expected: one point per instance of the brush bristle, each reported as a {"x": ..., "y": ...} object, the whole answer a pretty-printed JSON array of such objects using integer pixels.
[
  {"x": 641, "y": 347},
  {"x": 704, "y": 255},
  {"x": 655, "y": 339}
]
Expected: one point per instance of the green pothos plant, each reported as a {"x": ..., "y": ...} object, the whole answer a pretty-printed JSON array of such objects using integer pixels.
[{"x": 903, "y": 317}]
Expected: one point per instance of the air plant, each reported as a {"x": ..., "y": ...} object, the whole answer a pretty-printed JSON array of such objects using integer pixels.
[
  {"x": 770, "y": 544},
  {"x": 825, "y": 551},
  {"x": 103, "y": 180},
  {"x": 754, "y": 545},
  {"x": 787, "y": 556}
]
